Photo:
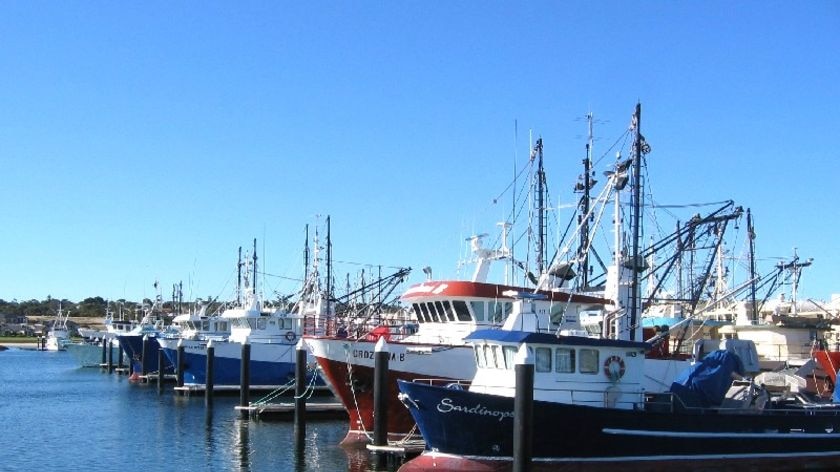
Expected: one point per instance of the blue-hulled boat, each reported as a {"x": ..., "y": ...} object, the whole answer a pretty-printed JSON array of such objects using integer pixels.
[{"x": 592, "y": 411}]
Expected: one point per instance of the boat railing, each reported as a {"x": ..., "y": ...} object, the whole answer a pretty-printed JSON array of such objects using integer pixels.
[
  {"x": 449, "y": 383},
  {"x": 669, "y": 402}
]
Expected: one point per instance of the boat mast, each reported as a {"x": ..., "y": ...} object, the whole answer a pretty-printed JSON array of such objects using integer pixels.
[
  {"x": 239, "y": 277},
  {"x": 306, "y": 254},
  {"x": 751, "y": 236},
  {"x": 540, "y": 191},
  {"x": 254, "y": 281},
  {"x": 583, "y": 215},
  {"x": 329, "y": 268},
  {"x": 636, "y": 208}
]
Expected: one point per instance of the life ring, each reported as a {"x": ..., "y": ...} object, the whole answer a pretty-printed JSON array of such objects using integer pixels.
[
  {"x": 290, "y": 336},
  {"x": 614, "y": 368}
]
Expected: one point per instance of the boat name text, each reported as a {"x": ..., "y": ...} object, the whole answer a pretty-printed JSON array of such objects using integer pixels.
[
  {"x": 365, "y": 354},
  {"x": 447, "y": 406}
]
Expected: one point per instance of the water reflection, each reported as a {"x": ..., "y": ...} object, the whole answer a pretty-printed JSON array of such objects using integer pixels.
[
  {"x": 36, "y": 387},
  {"x": 242, "y": 444}
]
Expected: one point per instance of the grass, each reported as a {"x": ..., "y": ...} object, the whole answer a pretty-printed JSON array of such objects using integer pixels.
[{"x": 18, "y": 339}]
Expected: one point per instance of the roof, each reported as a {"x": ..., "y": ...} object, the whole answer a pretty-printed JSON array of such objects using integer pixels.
[{"x": 462, "y": 288}]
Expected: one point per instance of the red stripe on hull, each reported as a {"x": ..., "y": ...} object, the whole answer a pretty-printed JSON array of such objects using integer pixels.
[{"x": 428, "y": 462}]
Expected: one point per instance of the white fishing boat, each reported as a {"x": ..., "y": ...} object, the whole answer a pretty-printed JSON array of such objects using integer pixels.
[{"x": 59, "y": 335}]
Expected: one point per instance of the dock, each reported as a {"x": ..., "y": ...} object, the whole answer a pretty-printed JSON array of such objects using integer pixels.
[
  {"x": 199, "y": 389},
  {"x": 286, "y": 411}
]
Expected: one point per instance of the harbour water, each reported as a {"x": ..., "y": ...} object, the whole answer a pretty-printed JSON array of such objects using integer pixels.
[{"x": 58, "y": 416}]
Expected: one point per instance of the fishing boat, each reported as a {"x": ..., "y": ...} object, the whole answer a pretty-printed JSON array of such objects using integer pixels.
[
  {"x": 89, "y": 353},
  {"x": 112, "y": 326},
  {"x": 140, "y": 344},
  {"x": 592, "y": 412},
  {"x": 58, "y": 335},
  {"x": 595, "y": 406},
  {"x": 441, "y": 313},
  {"x": 272, "y": 333}
]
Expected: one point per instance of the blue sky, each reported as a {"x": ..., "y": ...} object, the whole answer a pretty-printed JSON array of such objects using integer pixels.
[{"x": 144, "y": 141}]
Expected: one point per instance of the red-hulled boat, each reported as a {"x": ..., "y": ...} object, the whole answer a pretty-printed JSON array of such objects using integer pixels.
[{"x": 447, "y": 311}]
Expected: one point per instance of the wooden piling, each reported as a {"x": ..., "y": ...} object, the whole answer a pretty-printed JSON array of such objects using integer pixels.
[
  {"x": 179, "y": 380},
  {"x": 523, "y": 410},
  {"x": 144, "y": 353},
  {"x": 110, "y": 359},
  {"x": 160, "y": 371},
  {"x": 380, "y": 392},
  {"x": 300, "y": 385},
  {"x": 245, "y": 378},
  {"x": 208, "y": 383}
]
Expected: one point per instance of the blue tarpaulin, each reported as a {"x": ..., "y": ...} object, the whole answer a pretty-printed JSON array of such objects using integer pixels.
[{"x": 706, "y": 382}]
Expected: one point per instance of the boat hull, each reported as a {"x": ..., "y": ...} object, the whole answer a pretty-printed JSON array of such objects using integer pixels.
[
  {"x": 132, "y": 346},
  {"x": 270, "y": 364},
  {"x": 348, "y": 366},
  {"x": 469, "y": 430},
  {"x": 90, "y": 355}
]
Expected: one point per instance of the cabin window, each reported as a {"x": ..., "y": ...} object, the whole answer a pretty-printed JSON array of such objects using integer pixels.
[
  {"x": 462, "y": 312},
  {"x": 261, "y": 323},
  {"x": 450, "y": 312},
  {"x": 542, "y": 359},
  {"x": 428, "y": 311},
  {"x": 589, "y": 361},
  {"x": 205, "y": 325},
  {"x": 417, "y": 313},
  {"x": 499, "y": 311},
  {"x": 416, "y": 309},
  {"x": 498, "y": 357},
  {"x": 433, "y": 311},
  {"x": 252, "y": 323},
  {"x": 441, "y": 311},
  {"x": 222, "y": 326},
  {"x": 478, "y": 309},
  {"x": 564, "y": 360},
  {"x": 479, "y": 356},
  {"x": 423, "y": 312},
  {"x": 510, "y": 356}
]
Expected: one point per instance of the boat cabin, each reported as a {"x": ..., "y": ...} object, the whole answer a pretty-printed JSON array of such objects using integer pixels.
[
  {"x": 571, "y": 369},
  {"x": 451, "y": 310}
]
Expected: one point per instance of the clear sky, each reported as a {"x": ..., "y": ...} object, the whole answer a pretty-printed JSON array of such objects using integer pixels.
[{"x": 144, "y": 141}]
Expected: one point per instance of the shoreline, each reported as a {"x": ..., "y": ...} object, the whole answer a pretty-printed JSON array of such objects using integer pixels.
[{"x": 22, "y": 345}]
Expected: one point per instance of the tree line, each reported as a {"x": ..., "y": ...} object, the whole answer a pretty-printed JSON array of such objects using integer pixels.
[{"x": 89, "y": 307}]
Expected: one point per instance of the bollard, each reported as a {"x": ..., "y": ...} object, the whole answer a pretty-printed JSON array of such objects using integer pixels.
[
  {"x": 180, "y": 360},
  {"x": 300, "y": 385},
  {"x": 160, "y": 371},
  {"x": 144, "y": 354},
  {"x": 523, "y": 410},
  {"x": 110, "y": 359},
  {"x": 380, "y": 392},
  {"x": 208, "y": 382},
  {"x": 245, "y": 377}
]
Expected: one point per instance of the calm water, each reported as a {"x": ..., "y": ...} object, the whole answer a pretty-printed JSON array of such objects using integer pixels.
[{"x": 57, "y": 416}]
